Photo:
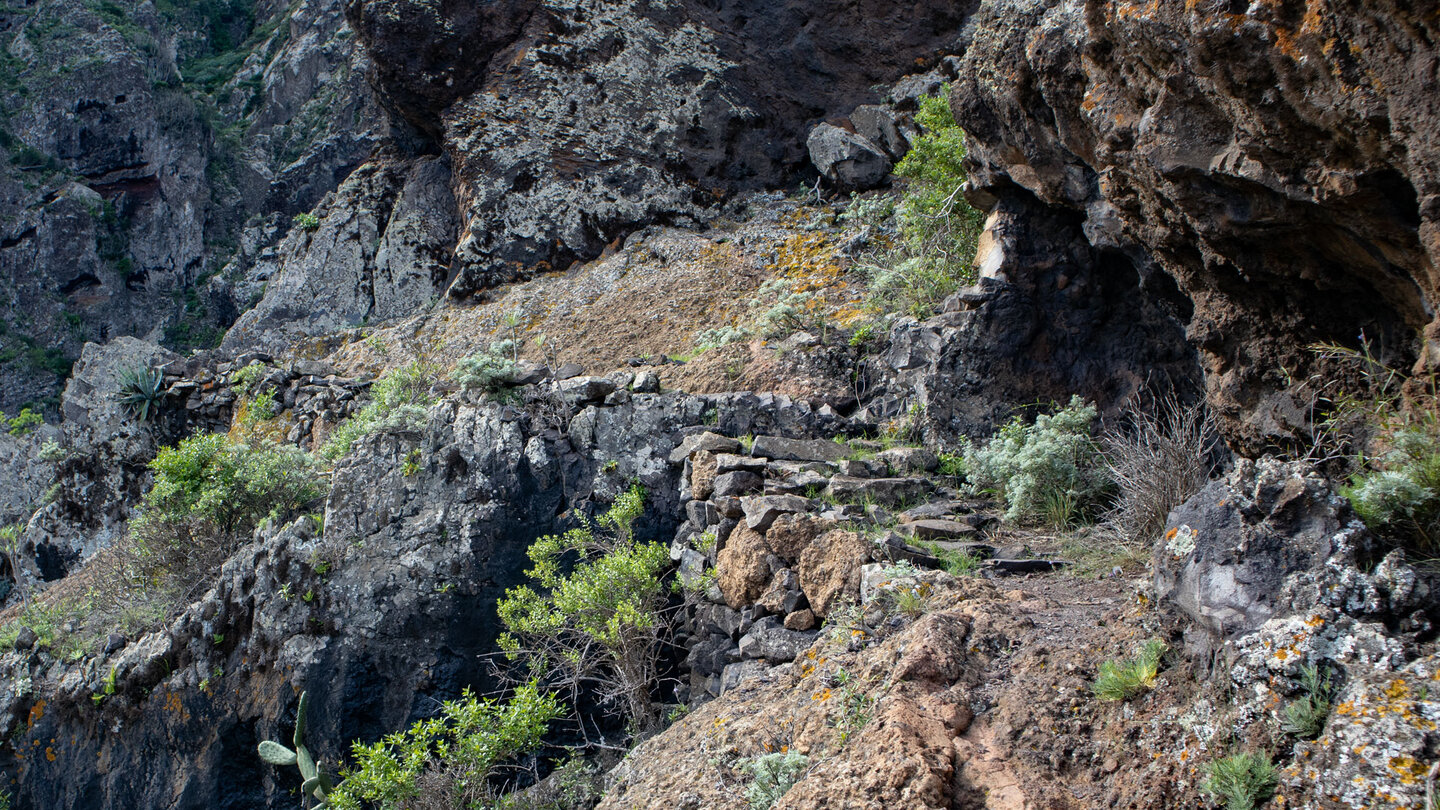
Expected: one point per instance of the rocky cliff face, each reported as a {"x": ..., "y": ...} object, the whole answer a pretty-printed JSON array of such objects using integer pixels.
[
  {"x": 1277, "y": 159},
  {"x": 138, "y": 143},
  {"x": 571, "y": 123}
]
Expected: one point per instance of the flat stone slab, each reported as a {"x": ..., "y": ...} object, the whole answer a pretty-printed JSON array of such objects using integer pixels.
[
  {"x": 888, "y": 492},
  {"x": 1013, "y": 567},
  {"x": 713, "y": 442},
  {"x": 761, "y": 511},
  {"x": 798, "y": 449},
  {"x": 936, "y": 529}
]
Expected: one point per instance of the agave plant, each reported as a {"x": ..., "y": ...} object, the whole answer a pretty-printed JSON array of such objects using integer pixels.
[{"x": 140, "y": 391}]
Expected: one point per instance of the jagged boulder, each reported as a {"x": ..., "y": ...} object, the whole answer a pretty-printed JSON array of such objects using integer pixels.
[
  {"x": 1227, "y": 552},
  {"x": 846, "y": 159}
]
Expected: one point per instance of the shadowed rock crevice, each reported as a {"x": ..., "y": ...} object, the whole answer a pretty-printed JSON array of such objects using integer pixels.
[{"x": 1279, "y": 163}]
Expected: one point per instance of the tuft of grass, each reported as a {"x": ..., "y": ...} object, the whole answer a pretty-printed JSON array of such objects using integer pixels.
[
  {"x": 1241, "y": 781},
  {"x": 953, "y": 561},
  {"x": 1305, "y": 716},
  {"x": 911, "y": 602},
  {"x": 1125, "y": 679}
]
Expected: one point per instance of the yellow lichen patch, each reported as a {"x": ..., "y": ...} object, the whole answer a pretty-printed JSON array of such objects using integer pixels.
[
  {"x": 1411, "y": 771},
  {"x": 36, "y": 712}
]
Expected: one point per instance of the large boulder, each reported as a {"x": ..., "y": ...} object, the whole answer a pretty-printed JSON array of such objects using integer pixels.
[
  {"x": 1227, "y": 552},
  {"x": 849, "y": 160},
  {"x": 830, "y": 569}
]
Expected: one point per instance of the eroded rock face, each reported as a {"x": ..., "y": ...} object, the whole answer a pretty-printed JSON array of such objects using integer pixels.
[
  {"x": 381, "y": 250},
  {"x": 1051, "y": 316},
  {"x": 571, "y": 122},
  {"x": 1278, "y": 161},
  {"x": 392, "y": 605},
  {"x": 123, "y": 196}
]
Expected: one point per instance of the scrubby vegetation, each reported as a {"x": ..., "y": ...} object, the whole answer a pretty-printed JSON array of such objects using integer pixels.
[
  {"x": 1400, "y": 495},
  {"x": 938, "y": 231},
  {"x": 488, "y": 372},
  {"x": 1123, "y": 680},
  {"x": 1051, "y": 470},
  {"x": 448, "y": 761},
  {"x": 773, "y": 775},
  {"x": 141, "y": 392},
  {"x": 397, "y": 402},
  {"x": 1157, "y": 459},
  {"x": 1306, "y": 715},
  {"x": 208, "y": 496},
  {"x": 1241, "y": 781},
  {"x": 22, "y": 423},
  {"x": 597, "y": 624}
]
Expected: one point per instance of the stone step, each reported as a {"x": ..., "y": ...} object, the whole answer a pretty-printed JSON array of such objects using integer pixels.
[
  {"x": 1013, "y": 567},
  {"x": 936, "y": 529}
]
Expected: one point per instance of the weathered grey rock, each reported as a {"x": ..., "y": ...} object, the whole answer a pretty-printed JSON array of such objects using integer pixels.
[
  {"x": 850, "y": 161},
  {"x": 762, "y": 510},
  {"x": 877, "y": 125},
  {"x": 783, "y": 595},
  {"x": 380, "y": 251},
  {"x": 738, "y": 482},
  {"x": 890, "y": 492},
  {"x": 701, "y": 514},
  {"x": 736, "y": 674},
  {"x": 579, "y": 391},
  {"x": 646, "y": 382},
  {"x": 907, "y": 460},
  {"x": 25, "y": 639},
  {"x": 798, "y": 449},
  {"x": 936, "y": 529},
  {"x": 706, "y": 442},
  {"x": 728, "y": 462},
  {"x": 863, "y": 468},
  {"x": 568, "y": 371},
  {"x": 712, "y": 618},
  {"x": 710, "y": 655},
  {"x": 1227, "y": 551},
  {"x": 768, "y": 639}
]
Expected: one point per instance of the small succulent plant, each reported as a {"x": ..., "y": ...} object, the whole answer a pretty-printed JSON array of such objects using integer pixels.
[{"x": 316, "y": 783}]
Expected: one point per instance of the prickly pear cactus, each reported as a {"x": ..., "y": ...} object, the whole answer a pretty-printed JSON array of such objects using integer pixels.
[{"x": 315, "y": 783}]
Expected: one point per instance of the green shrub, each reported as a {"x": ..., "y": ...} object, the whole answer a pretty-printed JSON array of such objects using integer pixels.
[
  {"x": 952, "y": 465},
  {"x": 938, "y": 230},
  {"x": 598, "y": 624},
  {"x": 488, "y": 372},
  {"x": 1241, "y": 781},
  {"x": 1126, "y": 679},
  {"x": 208, "y": 495},
  {"x": 306, "y": 221},
  {"x": 1401, "y": 496},
  {"x": 244, "y": 379},
  {"x": 446, "y": 761},
  {"x": 1049, "y": 469},
  {"x": 398, "y": 401},
  {"x": 24, "y": 422},
  {"x": 574, "y": 785},
  {"x": 772, "y": 777}
]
